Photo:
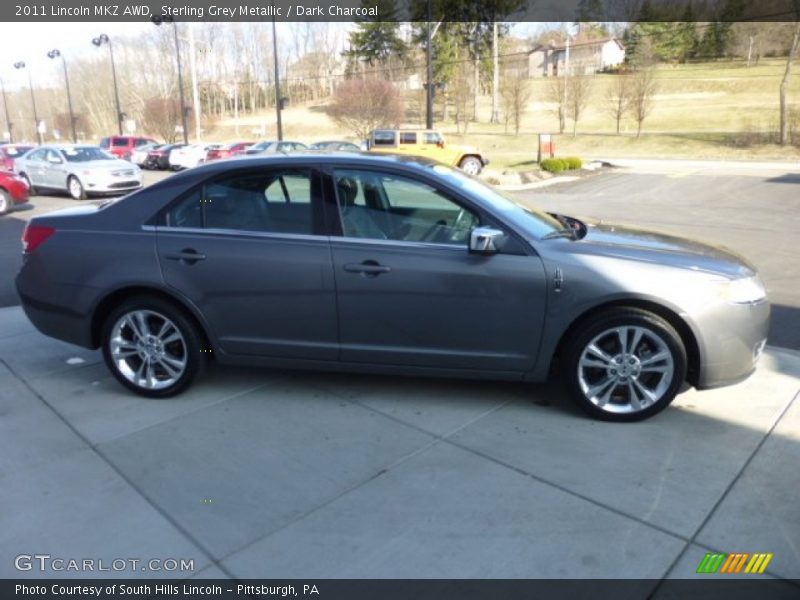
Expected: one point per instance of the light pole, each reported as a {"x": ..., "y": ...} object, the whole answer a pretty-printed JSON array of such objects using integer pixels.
[
  {"x": 429, "y": 66},
  {"x": 21, "y": 65},
  {"x": 99, "y": 41},
  {"x": 8, "y": 117},
  {"x": 157, "y": 21},
  {"x": 277, "y": 80},
  {"x": 55, "y": 53}
]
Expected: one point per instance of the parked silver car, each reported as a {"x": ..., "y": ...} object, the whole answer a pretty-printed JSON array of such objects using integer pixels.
[
  {"x": 391, "y": 265},
  {"x": 78, "y": 170}
]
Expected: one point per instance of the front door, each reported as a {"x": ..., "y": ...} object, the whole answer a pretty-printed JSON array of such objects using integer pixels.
[
  {"x": 249, "y": 250},
  {"x": 409, "y": 291}
]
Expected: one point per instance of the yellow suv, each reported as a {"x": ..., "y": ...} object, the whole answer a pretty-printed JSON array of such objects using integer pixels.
[{"x": 426, "y": 143}]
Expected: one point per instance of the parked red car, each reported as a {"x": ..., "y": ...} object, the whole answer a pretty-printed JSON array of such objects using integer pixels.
[
  {"x": 8, "y": 152},
  {"x": 13, "y": 192},
  {"x": 228, "y": 150},
  {"x": 122, "y": 146}
]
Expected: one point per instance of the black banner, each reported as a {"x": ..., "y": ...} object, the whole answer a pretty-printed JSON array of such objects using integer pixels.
[
  {"x": 412, "y": 589},
  {"x": 401, "y": 10}
]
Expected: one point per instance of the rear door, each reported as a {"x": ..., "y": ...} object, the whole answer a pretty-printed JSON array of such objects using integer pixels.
[{"x": 250, "y": 250}]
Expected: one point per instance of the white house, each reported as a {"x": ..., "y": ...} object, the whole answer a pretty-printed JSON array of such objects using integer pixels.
[{"x": 584, "y": 57}]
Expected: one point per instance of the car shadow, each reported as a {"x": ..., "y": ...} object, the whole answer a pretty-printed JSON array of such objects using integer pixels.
[
  {"x": 11, "y": 229},
  {"x": 787, "y": 178}
]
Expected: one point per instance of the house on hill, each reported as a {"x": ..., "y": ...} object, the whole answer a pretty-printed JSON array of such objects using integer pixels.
[{"x": 588, "y": 56}]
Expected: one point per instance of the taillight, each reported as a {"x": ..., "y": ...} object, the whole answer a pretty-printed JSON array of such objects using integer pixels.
[{"x": 35, "y": 235}]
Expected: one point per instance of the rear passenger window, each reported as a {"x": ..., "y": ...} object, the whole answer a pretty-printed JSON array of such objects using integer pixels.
[
  {"x": 408, "y": 137},
  {"x": 383, "y": 138},
  {"x": 277, "y": 202},
  {"x": 119, "y": 142}
]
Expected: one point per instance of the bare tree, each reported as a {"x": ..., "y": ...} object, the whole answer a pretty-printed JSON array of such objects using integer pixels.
[
  {"x": 643, "y": 89},
  {"x": 579, "y": 89},
  {"x": 462, "y": 95},
  {"x": 557, "y": 94},
  {"x": 162, "y": 116},
  {"x": 618, "y": 97},
  {"x": 361, "y": 105},
  {"x": 793, "y": 49},
  {"x": 515, "y": 93}
]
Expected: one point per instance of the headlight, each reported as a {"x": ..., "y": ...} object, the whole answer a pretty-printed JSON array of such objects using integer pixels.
[{"x": 743, "y": 291}]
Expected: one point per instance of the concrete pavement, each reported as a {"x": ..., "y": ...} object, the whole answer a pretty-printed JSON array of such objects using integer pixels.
[{"x": 259, "y": 473}]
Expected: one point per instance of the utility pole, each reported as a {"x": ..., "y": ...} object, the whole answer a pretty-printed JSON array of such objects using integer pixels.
[
  {"x": 277, "y": 80},
  {"x": 495, "y": 77},
  {"x": 429, "y": 84},
  {"x": 180, "y": 83},
  {"x": 195, "y": 93}
]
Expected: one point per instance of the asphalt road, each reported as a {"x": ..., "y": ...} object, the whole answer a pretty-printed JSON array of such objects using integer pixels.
[{"x": 754, "y": 212}]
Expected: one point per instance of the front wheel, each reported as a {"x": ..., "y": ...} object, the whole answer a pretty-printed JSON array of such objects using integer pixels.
[
  {"x": 625, "y": 365},
  {"x": 75, "y": 188},
  {"x": 470, "y": 165},
  {"x": 152, "y": 348}
]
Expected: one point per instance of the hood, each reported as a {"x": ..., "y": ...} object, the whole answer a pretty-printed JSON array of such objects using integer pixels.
[
  {"x": 110, "y": 165},
  {"x": 631, "y": 243}
]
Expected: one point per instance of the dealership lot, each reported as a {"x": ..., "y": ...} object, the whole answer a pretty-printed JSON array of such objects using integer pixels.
[{"x": 285, "y": 474}]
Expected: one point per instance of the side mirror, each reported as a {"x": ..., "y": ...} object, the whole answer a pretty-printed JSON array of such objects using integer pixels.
[
  {"x": 440, "y": 144},
  {"x": 485, "y": 240}
]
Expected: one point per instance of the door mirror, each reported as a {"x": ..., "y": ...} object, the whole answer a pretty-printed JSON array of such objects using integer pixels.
[{"x": 485, "y": 240}]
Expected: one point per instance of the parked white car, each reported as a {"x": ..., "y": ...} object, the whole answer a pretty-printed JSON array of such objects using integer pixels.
[
  {"x": 139, "y": 154},
  {"x": 189, "y": 156}
]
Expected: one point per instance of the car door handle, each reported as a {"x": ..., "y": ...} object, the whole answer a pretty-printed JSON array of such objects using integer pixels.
[
  {"x": 368, "y": 267},
  {"x": 187, "y": 255}
]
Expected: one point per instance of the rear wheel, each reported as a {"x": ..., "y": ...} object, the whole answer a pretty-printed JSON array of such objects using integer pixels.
[
  {"x": 75, "y": 188},
  {"x": 5, "y": 202},
  {"x": 152, "y": 348},
  {"x": 470, "y": 165},
  {"x": 626, "y": 364}
]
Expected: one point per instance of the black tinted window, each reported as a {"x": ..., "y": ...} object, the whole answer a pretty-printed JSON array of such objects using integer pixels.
[
  {"x": 383, "y": 138},
  {"x": 408, "y": 137},
  {"x": 276, "y": 202}
]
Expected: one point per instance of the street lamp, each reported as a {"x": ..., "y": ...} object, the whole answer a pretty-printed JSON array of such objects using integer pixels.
[
  {"x": 55, "y": 53},
  {"x": 157, "y": 20},
  {"x": 99, "y": 41},
  {"x": 21, "y": 65},
  {"x": 8, "y": 117}
]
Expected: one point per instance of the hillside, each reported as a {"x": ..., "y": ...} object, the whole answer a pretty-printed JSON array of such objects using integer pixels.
[{"x": 701, "y": 110}]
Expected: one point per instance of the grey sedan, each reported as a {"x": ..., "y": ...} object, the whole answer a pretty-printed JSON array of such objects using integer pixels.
[
  {"x": 391, "y": 265},
  {"x": 78, "y": 170}
]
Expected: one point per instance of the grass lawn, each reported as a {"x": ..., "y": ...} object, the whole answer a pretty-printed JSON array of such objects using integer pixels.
[{"x": 704, "y": 110}]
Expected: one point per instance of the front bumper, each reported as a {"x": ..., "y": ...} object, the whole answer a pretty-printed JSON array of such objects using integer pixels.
[
  {"x": 113, "y": 185},
  {"x": 731, "y": 339}
]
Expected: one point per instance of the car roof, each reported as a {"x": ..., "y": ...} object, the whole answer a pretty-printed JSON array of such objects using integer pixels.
[{"x": 311, "y": 158}]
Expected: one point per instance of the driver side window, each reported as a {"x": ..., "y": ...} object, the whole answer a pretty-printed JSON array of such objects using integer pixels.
[{"x": 385, "y": 206}]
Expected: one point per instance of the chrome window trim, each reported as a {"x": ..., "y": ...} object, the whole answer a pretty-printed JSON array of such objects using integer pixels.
[{"x": 235, "y": 232}]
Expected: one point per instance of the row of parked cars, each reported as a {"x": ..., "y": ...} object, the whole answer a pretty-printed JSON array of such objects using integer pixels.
[
  {"x": 184, "y": 156},
  {"x": 114, "y": 165}
]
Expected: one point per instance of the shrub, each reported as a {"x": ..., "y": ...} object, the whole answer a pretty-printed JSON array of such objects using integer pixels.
[
  {"x": 573, "y": 162},
  {"x": 554, "y": 165}
]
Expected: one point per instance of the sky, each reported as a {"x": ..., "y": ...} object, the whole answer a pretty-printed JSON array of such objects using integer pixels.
[{"x": 30, "y": 42}]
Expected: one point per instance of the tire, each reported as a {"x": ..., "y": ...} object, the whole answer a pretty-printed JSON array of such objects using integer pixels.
[
  {"x": 140, "y": 362},
  {"x": 75, "y": 188},
  {"x": 471, "y": 165},
  {"x": 612, "y": 383},
  {"x": 5, "y": 202},
  {"x": 31, "y": 189}
]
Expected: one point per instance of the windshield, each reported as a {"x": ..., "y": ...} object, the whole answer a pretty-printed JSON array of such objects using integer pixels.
[
  {"x": 85, "y": 154},
  {"x": 536, "y": 222}
]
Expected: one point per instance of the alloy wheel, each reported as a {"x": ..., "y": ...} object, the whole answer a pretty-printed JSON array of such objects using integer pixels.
[
  {"x": 148, "y": 349},
  {"x": 625, "y": 369}
]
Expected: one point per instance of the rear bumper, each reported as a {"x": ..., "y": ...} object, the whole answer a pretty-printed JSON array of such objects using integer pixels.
[
  {"x": 57, "y": 321},
  {"x": 731, "y": 342}
]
